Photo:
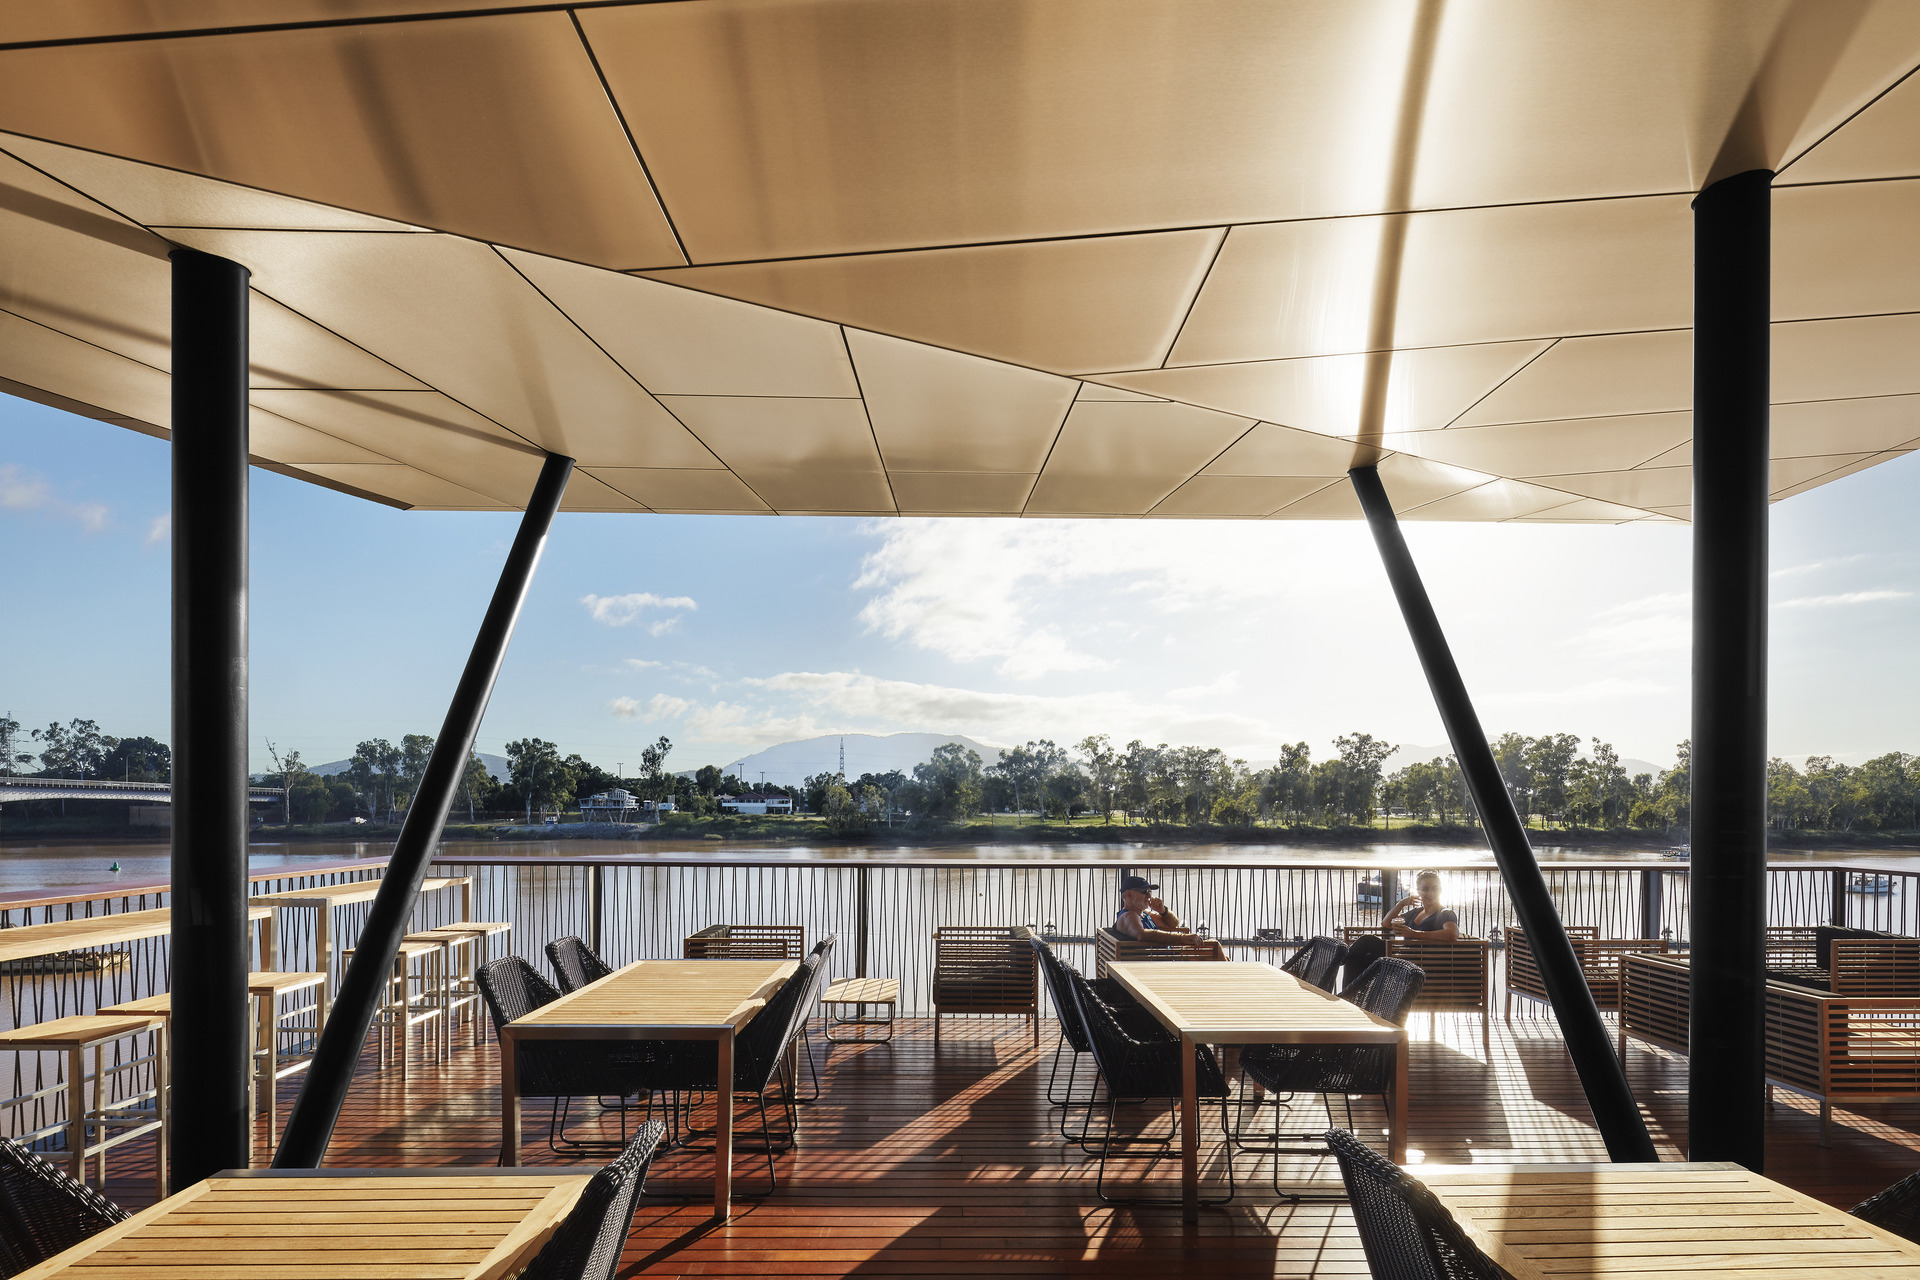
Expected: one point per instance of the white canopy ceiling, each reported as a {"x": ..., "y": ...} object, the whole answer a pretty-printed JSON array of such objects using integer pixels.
[{"x": 987, "y": 257}]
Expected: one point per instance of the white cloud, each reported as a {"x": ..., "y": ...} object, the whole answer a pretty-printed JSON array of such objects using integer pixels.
[
  {"x": 661, "y": 706},
  {"x": 1844, "y": 598},
  {"x": 978, "y": 590},
  {"x": 161, "y": 529},
  {"x": 1659, "y": 623},
  {"x": 641, "y": 664},
  {"x": 665, "y": 625},
  {"x": 21, "y": 490},
  {"x": 1814, "y": 566},
  {"x": 618, "y": 611}
]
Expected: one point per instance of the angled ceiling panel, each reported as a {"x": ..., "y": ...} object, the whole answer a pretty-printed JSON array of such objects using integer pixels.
[
  {"x": 959, "y": 493},
  {"x": 1426, "y": 389},
  {"x": 1269, "y": 450},
  {"x": 403, "y": 121},
  {"x": 684, "y": 342},
  {"x": 698, "y": 489},
  {"x": 1122, "y": 459},
  {"x": 939, "y": 410},
  {"x": 1494, "y": 500},
  {"x": 1066, "y": 306},
  {"x": 453, "y": 314},
  {"x": 1230, "y": 497},
  {"x": 1551, "y": 448},
  {"x": 1629, "y": 373}
]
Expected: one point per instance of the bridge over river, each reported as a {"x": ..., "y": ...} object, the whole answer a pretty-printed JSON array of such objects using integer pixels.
[{"x": 14, "y": 789}]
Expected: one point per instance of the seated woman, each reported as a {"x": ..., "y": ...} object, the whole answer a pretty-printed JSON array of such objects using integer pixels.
[
  {"x": 1145, "y": 918},
  {"x": 1417, "y": 918},
  {"x": 1421, "y": 917}
]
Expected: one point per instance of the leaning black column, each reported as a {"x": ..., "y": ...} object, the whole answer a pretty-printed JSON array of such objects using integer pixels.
[
  {"x": 1726, "y": 1066},
  {"x": 211, "y": 1032},
  {"x": 310, "y": 1127},
  {"x": 1615, "y": 1112}
]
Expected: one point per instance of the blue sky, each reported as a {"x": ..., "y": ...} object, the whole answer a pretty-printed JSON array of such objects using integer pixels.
[{"x": 728, "y": 634}]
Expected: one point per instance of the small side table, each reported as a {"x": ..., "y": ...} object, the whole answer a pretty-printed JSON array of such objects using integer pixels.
[{"x": 859, "y": 992}]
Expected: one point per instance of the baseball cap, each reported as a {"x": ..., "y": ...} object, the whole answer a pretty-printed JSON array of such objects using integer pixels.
[{"x": 1136, "y": 882}]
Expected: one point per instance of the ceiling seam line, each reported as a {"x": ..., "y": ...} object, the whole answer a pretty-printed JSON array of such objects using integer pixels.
[
  {"x": 314, "y": 24},
  {"x": 866, "y": 412},
  {"x": 1052, "y": 444},
  {"x": 1855, "y": 115},
  {"x": 1193, "y": 303},
  {"x": 1524, "y": 366},
  {"x": 619, "y": 113},
  {"x": 1189, "y": 477},
  {"x": 582, "y": 331},
  {"x": 1173, "y": 229}
]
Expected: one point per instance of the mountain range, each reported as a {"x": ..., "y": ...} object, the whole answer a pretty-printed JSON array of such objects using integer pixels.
[{"x": 791, "y": 763}]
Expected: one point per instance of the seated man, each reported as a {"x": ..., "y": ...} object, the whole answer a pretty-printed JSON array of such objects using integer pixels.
[{"x": 1145, "y": 918}]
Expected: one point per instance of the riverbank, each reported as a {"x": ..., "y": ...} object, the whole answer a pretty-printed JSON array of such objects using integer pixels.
[{"x": 779, "y": 831}]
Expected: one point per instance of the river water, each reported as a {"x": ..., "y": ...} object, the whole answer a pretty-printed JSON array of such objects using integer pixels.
[{"x": 39, "y": 868}]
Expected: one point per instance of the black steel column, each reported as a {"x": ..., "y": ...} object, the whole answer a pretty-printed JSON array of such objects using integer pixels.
[
  {"x": 1611, "y": 1100},
  {"x": 310, "y": 1127},
  {"x": 211, "y": 1033},
  {"x": 1726, "y": 1065}
]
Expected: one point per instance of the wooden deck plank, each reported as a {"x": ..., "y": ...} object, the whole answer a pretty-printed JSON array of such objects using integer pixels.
[{"x": 920, "y": 1161}]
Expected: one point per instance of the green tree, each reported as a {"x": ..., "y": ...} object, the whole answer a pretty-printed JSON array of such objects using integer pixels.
[
  {"x": 817, "y": 787},
  {"x": 75, "y": 750},
  {"x": 415, "y": 750},
  {"x": 1549, "y": 761},
  {"x": 538, "y": 775},
  {"x": 1361, "y": 757},
  {"x": 1513, "y": 755},
  {"x": 707, "y": 779},
  {"x": 1103, "y": 771},
  {"x": 476, "y": 784},
  {"x": 143, "y": 760},
  {"x": 948, "y": 785},
  {"x": 1289, "y": 788},
  {"x": 653, "y": 767}
]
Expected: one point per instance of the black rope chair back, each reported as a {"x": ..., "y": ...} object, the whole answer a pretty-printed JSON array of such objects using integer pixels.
[
  {"x": 1406, "y": 1232},
  {"x": 1387, "y": 989},
  {"x": 588, "y": 1243},
  {"x": 43, "y": 1211},
  {"x": 1317, "y": 962},
  {"x": 761, "y": 1045},
  {"x": 575, "y": 964},
  {"x": 512, "y": 989},
  {"x": 1072, "y": 1027},
  {"x": 1361, "y": 953},
  {"x": 1897, "y": 1209}
]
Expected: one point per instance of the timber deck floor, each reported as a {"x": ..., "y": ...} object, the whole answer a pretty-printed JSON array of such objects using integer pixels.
[{"x": 925, "y": 1161}]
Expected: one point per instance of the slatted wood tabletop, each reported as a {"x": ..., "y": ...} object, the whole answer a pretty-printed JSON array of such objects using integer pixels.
[
  {"x": 664, "y": 995},
  {"x": 342, "y": 895},
  {"x": 1237, "y": 1002},
  {"x": 1246, "y": 1003},
  {"x": 652, "y": 1000},
  {"x": 447, "y": 1226},
  {"x": 1650, "y": 1221},
  {"x": 323, "y": 900},
  {"x": 30, "y": 941}
]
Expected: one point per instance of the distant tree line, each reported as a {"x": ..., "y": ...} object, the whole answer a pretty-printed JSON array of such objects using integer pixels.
[{"x": 1553, "y": 780}]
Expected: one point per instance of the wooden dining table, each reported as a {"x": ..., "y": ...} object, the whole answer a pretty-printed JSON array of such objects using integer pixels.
[
  {"x": 1658, "y": 1221},
  {"x": 322, "y": 1224},
  {"x": 652, "y": 1000},
  {"x": 1241, "y": 1003}
]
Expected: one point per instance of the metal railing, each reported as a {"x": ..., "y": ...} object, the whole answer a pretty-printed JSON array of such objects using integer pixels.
[{"x": 886, "y": 911}]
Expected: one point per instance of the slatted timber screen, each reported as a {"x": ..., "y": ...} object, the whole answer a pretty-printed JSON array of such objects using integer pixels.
[
  {"x": 1875, "y": 966},
  {"x": 1110, "y": 947},
  {"x": 1601, "y": 963},
  {"x": 985, "y": 969},
  {"x": 1655, "y": 1000},
  {"x": 1794, "y": 949},
  {"x": 746, "y": 942},
  {"x": 1872, "y": 1047}
]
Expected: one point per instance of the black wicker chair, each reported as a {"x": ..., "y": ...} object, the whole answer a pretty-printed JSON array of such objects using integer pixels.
[
  {"x": 822, "y": 953},
  {"x": 1406, "y": 1232},
  {"x": 575, "y": 964},
  {"x": 1897, "y": 1209},
  {"x": 1317, "y": 962},
  {"x": 1387, "y": 990},
  {"x": 1074, "y": 1036},
  {"x": 588, "y": 1243},
  {"x": 1144, "y": 1069},
  {"x": 569, "y": 1069},
  {"x": 759, "y": 1056},
  {"x": 43, "y": 1211}
]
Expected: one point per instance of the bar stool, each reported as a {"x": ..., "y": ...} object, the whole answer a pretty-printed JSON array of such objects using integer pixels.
[
  {"x": 399, "y": 1012},
  {"x": 463, "y": 991},
  {"x": 440, "y": 987},
  {"x": 270, "y": 1066},
  {"x": 73, "y": 1036}
]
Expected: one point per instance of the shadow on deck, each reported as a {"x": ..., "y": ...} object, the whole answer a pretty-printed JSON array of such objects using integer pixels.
[{"x": 923, "y": 1162}]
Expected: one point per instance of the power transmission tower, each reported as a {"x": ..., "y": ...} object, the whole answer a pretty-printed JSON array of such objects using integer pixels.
[{"x": 843, "y": 757}]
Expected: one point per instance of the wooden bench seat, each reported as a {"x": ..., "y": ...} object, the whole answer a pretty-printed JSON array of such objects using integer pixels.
[{"x": 1601, "y": 963}]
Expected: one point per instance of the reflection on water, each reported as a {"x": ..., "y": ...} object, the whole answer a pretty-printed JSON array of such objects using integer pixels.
[{"x": 51, "y": 867}]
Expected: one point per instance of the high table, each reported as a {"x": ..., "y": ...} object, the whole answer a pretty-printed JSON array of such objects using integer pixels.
[
  {"x": 1656, "y": 1221},
  {"x": 32, "y": 941},
  {"x": 324, "y": 900},
  {"x": 399, "y": 1224},
  {"x": 652, "y": 1000},
  {"x": 1237, "y": 1002}
]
